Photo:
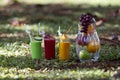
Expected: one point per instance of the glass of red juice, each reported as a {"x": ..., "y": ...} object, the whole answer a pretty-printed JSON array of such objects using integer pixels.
[{"x": 49, "y": 44}]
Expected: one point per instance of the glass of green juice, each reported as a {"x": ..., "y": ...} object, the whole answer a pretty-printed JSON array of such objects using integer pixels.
[{"x": 36, "y": 50}]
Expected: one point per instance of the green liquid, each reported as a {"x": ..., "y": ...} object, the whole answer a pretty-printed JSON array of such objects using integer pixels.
[{"x": 36, "y": 49}]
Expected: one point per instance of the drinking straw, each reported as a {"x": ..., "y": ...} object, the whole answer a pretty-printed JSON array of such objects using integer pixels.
[
  {"x": 39, "y": 28},
  {"x": 69, "y": 29},
  {"x": 79, "y": 28},
  {"x": 59, "y": 33},
  {"x": 28, "y": 32},
  {"x": 41, "y": 32}
]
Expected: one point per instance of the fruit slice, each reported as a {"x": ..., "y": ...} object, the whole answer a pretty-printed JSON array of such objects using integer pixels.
[
  {"x": 93, "y": 46},
  {"x": 64, "y": 37},
  {"x": 84, "y": 55},
  {"x": 90, "y": 29},
  {"x": 82, "y": 40},
  {"x": 48, "y": 36}
]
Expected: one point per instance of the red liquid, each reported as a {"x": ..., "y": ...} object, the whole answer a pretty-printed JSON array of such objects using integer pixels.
[{"x": 49, "y": 48}]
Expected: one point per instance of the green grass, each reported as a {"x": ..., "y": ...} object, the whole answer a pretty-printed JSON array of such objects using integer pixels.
[
  {"x": 16, "y": 63},
  {"x": 91, "y": 2},
  {"x": 15, "y": 55},
  {"x": 28, "y": 73}
]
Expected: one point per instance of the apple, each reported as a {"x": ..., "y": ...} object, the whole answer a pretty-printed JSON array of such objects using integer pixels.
[{"x": 84, "y": 55}]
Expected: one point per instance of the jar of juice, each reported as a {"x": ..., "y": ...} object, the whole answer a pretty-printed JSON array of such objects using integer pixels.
[
  {"x": 87, "y": 42},
  {"x": 35, "y": 48},
  {"x": 49, "y": 44},
  {"x": 64, "y": 48}
]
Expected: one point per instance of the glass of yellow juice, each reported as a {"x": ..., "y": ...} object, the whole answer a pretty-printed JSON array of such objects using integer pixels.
[{"x": 64, "y": 49}]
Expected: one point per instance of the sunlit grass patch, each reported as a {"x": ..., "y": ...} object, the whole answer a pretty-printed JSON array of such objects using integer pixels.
[
  {"x": 92, "y": 2},
  {"x": 28, "y": 73}
]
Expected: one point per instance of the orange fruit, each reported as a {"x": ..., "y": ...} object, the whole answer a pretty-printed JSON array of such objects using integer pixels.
[
  {"x": 90, "y": 29},
  {"x": 64, "y": 37},
  {"x": 93, "y": 46}
]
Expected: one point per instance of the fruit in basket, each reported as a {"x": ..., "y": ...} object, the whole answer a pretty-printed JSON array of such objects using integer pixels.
[
  {"x": 84, "y": 55},
  {"x": 90, "y": 29},
  {"x": 93, "y": 46},
  {"x": 85, "y": 21},
  {"x": 82, "y": 40}
]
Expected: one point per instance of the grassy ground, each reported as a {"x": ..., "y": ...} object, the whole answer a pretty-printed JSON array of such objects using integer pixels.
[
  {"x": 15, "y": 56},
  {"x": 91, "y": 2}
]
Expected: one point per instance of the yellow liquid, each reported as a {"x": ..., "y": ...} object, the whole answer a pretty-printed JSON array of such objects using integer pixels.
[{"x": 64, "y": 48}]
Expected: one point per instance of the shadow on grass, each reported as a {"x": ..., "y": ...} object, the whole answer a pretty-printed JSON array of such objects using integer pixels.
[
  {"x": 14, "y": 39},
  {"x": 39, "y": 78},
  {"x": 56, "y": 14},
  {"x": 53, "y": 15},
  {"x": 21, "y": 62},
  {"x": 44, "y": 78},
  {"x": 11, "y": 35}
]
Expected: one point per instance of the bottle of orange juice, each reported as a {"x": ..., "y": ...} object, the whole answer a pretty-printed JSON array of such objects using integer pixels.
[{"x": 64, "y": 48}]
